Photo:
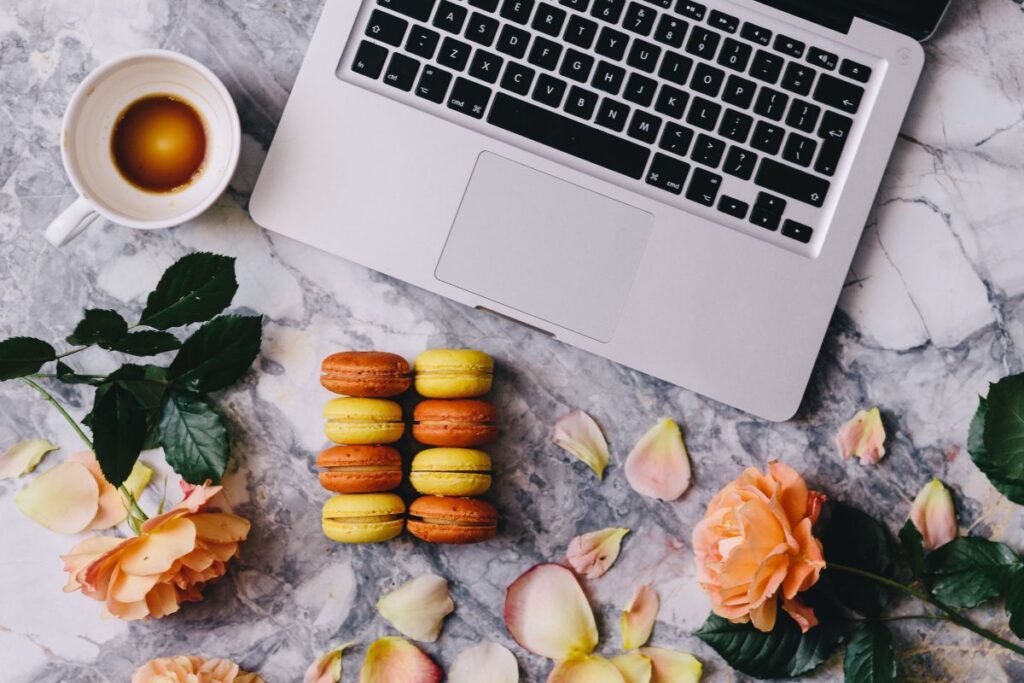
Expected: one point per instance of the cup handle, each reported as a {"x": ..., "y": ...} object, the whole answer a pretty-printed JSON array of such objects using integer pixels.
[{"x": 72, "y": 221}]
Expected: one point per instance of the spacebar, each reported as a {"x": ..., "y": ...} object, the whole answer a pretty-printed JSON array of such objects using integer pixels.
[{"x": 569, "y": 136}]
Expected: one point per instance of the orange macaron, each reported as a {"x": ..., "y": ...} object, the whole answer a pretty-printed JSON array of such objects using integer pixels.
[
  {"x": 360, "y": 469},
  {"x": 457, "y": 423},
  {"x": 452, "y": 520},
  {"x": 365, "y": 374}
]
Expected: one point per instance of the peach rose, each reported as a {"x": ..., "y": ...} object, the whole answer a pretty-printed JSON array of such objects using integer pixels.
[
  {"x": 192, "y": 670},
  {"x": 755, "y": 544},
  {"x": 170, "y": 562}
]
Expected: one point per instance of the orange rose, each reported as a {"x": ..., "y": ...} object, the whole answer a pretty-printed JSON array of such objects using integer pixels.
[
  {"x": 755, "y": 543},
  {"x": 170, "y": 562},
  {"x": 192, "y": 670}
]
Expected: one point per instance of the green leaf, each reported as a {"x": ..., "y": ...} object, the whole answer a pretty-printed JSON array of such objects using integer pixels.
[
  {"x": 20, "y": 356},
  {"x": 869, "y": 656},
  {"x": 1015, "y": 604},
  {"x": 995, "y": 439},
  {"x": 147, "y": 383},
  {"x": 144, "y": 343},
  {"x": 67, "y": 375},
  {"x": 194, "y": 289},
  {"x": 969, "y": 571},
  {"x": 118, "y": 425},
  {"x": 218, "y": 354},
  {"x": 855, "y": 539},
  {"x": 194, "y": 438},
  {"x": 98, "y": 326},
  {"x": 912, "y": 543}
]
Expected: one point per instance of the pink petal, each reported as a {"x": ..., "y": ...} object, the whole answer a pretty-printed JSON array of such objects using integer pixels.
[
  {"x": 22, "y": 458},
  {"x": 592, "y": 554},
  {"x": 659, "y": 466},
  {"x": 548, "y": 614},
  {"x": 196, "y": 499},
  {"x": 585, "y": 669},
  {"x": 396, "y": 660},
  {"x": 637, "y": 620},
  {"x": 803, "y": 615},
  {"x": 863, "y": 436},
  {"x": 327, "y": 667},
  {"x": 934, "y": 515},
  {"x": 111, "y": 511},
  {"x": 670, "y": 666},
  {"x": 578, "y": 434},
  {"x": 63, "y": 499}
]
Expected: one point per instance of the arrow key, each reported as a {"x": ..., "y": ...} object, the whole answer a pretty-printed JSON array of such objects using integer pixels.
[{"x": 839, "y": 94}]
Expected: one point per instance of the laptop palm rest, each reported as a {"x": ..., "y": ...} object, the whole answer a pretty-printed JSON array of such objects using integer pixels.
[{"x": 545, "y": 247}]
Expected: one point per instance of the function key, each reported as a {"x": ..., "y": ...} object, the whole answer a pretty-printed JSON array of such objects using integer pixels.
[
  {"x": 756, "y": 34},
  {"x": 386, "y": 28},
  {"x": 401, "y": 72},
  {"x": 417, "y": 9},
  {"x": 797, "y": 231},
  {"x": 857, "y": 72},
  {"x": 667, "y": 4},
  {"x": 839, "y": 94},
  {"x": 789, "y": 46},
  {"x": 517, "y": 10},
  {"x": 608, "y": 10},
  {"x": 732, "y": 207},
  {"x": 825, "y": 60},
  {"x": 639, "y": 19},
  {"x": 369, "y": 59},
  {"x": 485, "y": 5},
  {"x": 694, "y": 10},
  {"x": 723, "y": 21},
  {"x": 578, "y": 5},
  {"x": 450, "y": 17}
]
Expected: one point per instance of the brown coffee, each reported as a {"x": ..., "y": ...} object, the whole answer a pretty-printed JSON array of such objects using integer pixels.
[{"x": 159, "y": 143}]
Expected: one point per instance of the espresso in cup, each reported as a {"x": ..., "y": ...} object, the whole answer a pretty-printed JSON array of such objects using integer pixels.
[{"x": 159, "y": 143}]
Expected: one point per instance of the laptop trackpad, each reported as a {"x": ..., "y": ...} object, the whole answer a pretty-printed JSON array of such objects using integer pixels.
[{"x": 545, "y": 247}]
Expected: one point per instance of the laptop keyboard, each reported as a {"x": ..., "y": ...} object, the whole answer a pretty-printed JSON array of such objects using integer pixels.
[{"x": 728, "y": 118}]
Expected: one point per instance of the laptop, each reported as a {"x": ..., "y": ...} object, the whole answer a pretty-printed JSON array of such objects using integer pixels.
[{"x": 676, "y": 186}]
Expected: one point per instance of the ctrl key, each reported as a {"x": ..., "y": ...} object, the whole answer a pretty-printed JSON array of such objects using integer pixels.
[
  {"x": 668, "y": 174},
  {"x": 370, "y": 59},
  {"x": 797, "y": 231},
  {"x": 469, "y": 98}
]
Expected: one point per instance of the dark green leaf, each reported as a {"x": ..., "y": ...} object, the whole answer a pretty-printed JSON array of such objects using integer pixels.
[
  {"x": 218, "y": 354},
  {"x": 152, "y": 437},
  {"x": 20, "y": 356},
  {"x": 194, "y": 289},
  {"x": 194, "y": 438},
  {"x": 913, "y": 547},
  {"x": 98, "y": 326},
  {"x": 996, "y": 437},
  {"x": 855, "y": 539},
  {"x": 869, "y": 656},
  {"x": 144, "y": 343},
  {"x": 969, "y": 571},
  {"x": 147, "y": 383},
  {"x": 1015, "y": 604},
  {"x": 119, "y": 429},
  {"x": 67, "y": 375}
]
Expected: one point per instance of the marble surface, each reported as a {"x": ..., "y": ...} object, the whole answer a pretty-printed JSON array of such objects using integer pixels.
[{"x": 933, "y": 310}]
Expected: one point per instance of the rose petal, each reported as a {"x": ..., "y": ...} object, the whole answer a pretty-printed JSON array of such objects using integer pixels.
[
  {"x": 669, "y": 666},
  {"x": 489, "y": 662},
  {"x": 659, "y": 466},
  {"x": 634, "y": 667},
  {"x": 592, "y": 554},
  {"x": 579, "y": 435},
  {"x": 585, "y": 669},
  {"x": 396, "y": 660},
  {"x": 64, "y": 499},
  {"x": 111, "y": 510},
  {"x": 934, "y": 515},
  {"x": 155, "y": 552},
  {"x": 327, "y": 667},
  {"x": 548, "y": 614},
  {"x": 637, "y": 620},
  {"x": 22, "y": 458},
  {"x": 139, "y": 478},
  {"x": 863, "y": 436},
  {"x": 221, "y": 527},
  {"x": 418, "y": 607},
  {"x": 196, "y": 498},
  {"x": 802, "y": 614}
]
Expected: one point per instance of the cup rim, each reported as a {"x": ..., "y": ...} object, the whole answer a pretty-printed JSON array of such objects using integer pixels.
[{"x": 236, "y": 138}]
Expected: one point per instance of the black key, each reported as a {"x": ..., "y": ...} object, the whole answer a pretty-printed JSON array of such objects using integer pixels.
[
  {"x": 723, "y": 22},
  {"x": 770, "y": 203},
  {"x": 740, "y": 162},
  {"x": 799, "y": 150},
  {"x": 670, "y": 31},
  {"x": 580, "y": 5},
  {"x": 791, "y": 182},
  {"x": 803, "y": 116},
  {"x": 469, "y": 98},
  {"x": 481, "y": 29},
  {"x": 639, "y": 19},
  {"x": 545, "y": 53},
  {"x": 609, "y": 77},
  {"x": 401, "y": 71},
  {"x": 797, "y": 231},
  {"x": 708, "y": 151},
  {"x": 739, "y": 92},
  {"x": 640, "y": 89},
  {"x": 517, "y": 10},
  {"x": 767, "y": 138},
  {"x": 668, "y": 174},
  {"x": 450, "y": 17},
  {"x": 703, "y": 114},
  {"x": 417, "y": 9},
  {"x": 732, "y": 207},
  {"x": 454, "y": 54},
  {"x": 734, "y": 54},
  {"x": 766, "y": 67},
  {"x": 703, "y": 42},
  {"x": 513, "y": 41},
  {"x": 675, "y": 67},
  {"x": 694, "y": 10},
  {"x": 835, "y": 127},
  {"x": 765, "y": 219},
  {"x": 704, "y": 187},
  {"x": 387, "y": 28},
  {"x": 798, "y": 78},
  {"x": 735, "y": 126},
  {"x": 422, "y": 42},
  {"x": 612, "y": 114},
  {"x": 549, "y": 90},
  {"x": 580, "y": 31},
  {"x": 549, "y": 19},
  {"x": 644, "y": 127},
  {"x": 771, "y": 104},
  {"x": 829, "y": 156},
  {"x": 486, "y": 5},
  {"x": 433, "y": 84},
  {"x": 789, "y": 46},
  {"x": 485, "y": 66},
  {"x": 581, "y": 102},
  {"x": 612, "y": 43},
  {"x": 577, "y": 65},
  {"x": 369, "y": 59},
  {"x": 609, "y": 10},
  {"x": 676, "y": 139},
  {"x": 857, "y": 72},
  {"x": 518, "y": 78},
  {"x": 756, "y": 34},
  {"x": 667, "y": 4},
  {"x": 671, "y": 102},
  {"x": 837, "y": 93},
  {"x": 707, "y": 79},
  {"x": 643, "y": 56},
  {"x": 825, "y": 60}
]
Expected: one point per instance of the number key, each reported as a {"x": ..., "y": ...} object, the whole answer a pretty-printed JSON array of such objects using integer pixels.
[{"x": 703, "y": 43}]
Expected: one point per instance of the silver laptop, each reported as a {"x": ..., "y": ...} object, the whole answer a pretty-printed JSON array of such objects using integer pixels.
[{"x": 677, "y": 186}]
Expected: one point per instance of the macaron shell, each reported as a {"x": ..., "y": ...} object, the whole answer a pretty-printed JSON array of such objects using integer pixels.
[
  {"x": 456, "y": 422},
  {"x": 361, "y": 482},
  {"x": 349, "y": 519},
  {"x": 451, "y": 460},
  {"x": 349, "y": 532},
  {"x": 451, "y": 535},
  {"x": 453, "y": 373},
  {"x": 452, "y": 520},
  {"x": 340, "y": 432},
  {"x": 363, "y": 421},
  {"x": 359, "y": 456},
  {"x": 366, "y": 373},
  {"x": 366, "y": 505},
  {"x": 453, "y": 385},
  {"x": 450, "y": 483}
]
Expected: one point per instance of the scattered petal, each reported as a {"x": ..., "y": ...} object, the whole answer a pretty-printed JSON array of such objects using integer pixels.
[
  {"x": 139, "y": 479},
  {"x": 418, "y": 607},
  {"x": 669, "y": 666},
  {"x": 634, "y": 667},
  {"x": 579, "y": 434},
  {"x": 327, "y": 667},
  {"x": 548, "y": 614},
  {"x": 592, "y": 554},
  {"x": 585, "y": 669},
  {"x": 934, "y": 515},
  {"x": 637, "y": 620},
  {"x": 863, "y": 437},
  {"x": 802, "y": 614},
  {"x": 489, "y": 661},
  {"x": 659, "y": 466},
  {"x": 64, "y": 499},
  {"x": 111, "y": 510},
  {"x": 396, "y": 660},
  {"x": 22, "y": 458}
]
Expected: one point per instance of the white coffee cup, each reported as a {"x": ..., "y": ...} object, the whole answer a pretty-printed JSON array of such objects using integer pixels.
[{"x": 85, "y": 140}]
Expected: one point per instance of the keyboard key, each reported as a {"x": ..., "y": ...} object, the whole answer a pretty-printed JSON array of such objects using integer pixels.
[
  {"x": 417, "y": 9},
  {"x": 422, "y": 42},
  {"x": 486, "y": 5},
  {"x": 803, "y": 116},
  {"x": 704, "y": 187},
  {"x": 740, "y": 162},
  {"x": 608, "y": 10},
  {"x": 433, "y": 84},
  {"x": 739, "y": 92},
  {"x": 639, "y": 19},
  {"x": 667, "y": 4},
  {"x": 675, "y": 67},
  {"x": 735, "y": 126},
  {"x": 668, "y": 174},
  {"x": 835, "y": 126},
  {"x": 857, "y": 72},
  {"x": 765, "y": 219},
  {"x": 771, "y": 104},
  {"x": 469, "y": 98},
  {"x": 579, "y": 5},
  {"x": 767, "y": 138},
  {"x": 517, "y": 10},
  {"x": 549, "y": 90},
  {"x": 766, "y": 67},
  {"x": 581, "y": 102},
  {"x": 369, "y": 59},
  {"x": 789, "y": 46},
  {"x": 707, "y": 80},
  {"x": 387, "y": 28},
  {"x": 731, "y": 206},
  {"x": 834, "y": 130},
  {"x": 703, "y": 43},
  {"x": 644, "y": 127},
  {"x": 545, "y": 53},
  {"x": 518, "y": 78},
  {"x": 798, "y": 78},
  {"x": 643, "y": 56},
  {"x": 580, "y": 31},
  {"x": 829, "y": 156},
  {"x": 549, "y": 19},
  {"x": 797, "y": 231},
  {"x": 401, "y": 72},
  {"x": 454, "y": 54},
  {"x": 671, "y": 102},
  {"x": 676, "y": 139},
  {"x": 694, "y": 10},
  {"x": 485, "y": 66},
  {"x": 513, "y": 41},
  {"x": 670, "y": 31},
  {"x": 756, "y": 34},
  {"x": 791, "y": 182},
  {"x": 820, "y": 58},
  {"x": 609, "y": 77},
  {"x": 481, "y": 29},
  {"x": 708, "y": 151},
  {"x": 837, "y": 93},
  {"x": 799, "y": 150},
  {"x": 612, "y": 43},
  {"x": 770, "y": 202},
  {"x": 612, "y": 114},
  {"x": 735, "y": 55},
  {"x": 577, "y": 66},
  {"x": 640, "y": 89},
  {"x": 703, "y": 114},
  {"x": 723, "y": 22},
  {"x": 450, "y": 17}
]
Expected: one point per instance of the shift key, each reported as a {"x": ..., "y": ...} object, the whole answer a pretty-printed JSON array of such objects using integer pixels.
[{"x": 791, "y": 182}]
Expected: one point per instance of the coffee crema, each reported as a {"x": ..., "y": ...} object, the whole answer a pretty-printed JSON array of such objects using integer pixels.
[{"x": 159, "y": 143}]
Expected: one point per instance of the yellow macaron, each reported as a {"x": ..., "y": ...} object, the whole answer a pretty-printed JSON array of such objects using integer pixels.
[
  {"x": 453, "y": 373},
  {"x": 363, "y": 517},
  {"x": 359, "y": 421},
  {"x": 451, "y": 472}
]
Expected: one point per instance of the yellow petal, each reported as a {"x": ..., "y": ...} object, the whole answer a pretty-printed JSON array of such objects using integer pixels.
[
  {"x": 592, "y": 554},
  {"x": 585, "y": 669},
  {"x": 418, "y": 607},
  {"x": 863, "y": 437},
  {"x": 669, "y": 666},
  {"x": 221, "y": 527},
  {"x": 637, "y": 620},
  {"x": 934, "y": 515},
  {"x": 111, "y": 510},
  {"x": 139, "y": 478},
  {"x": 155, "y": 552},
  {"x": 22, "y": 458},
  {"x": 396, "y": 660},
  {"x": 489, "y": 662},
  {"x": 548, "y": 614},
  {"x": 327, "y": 667},
  {"x": 64, "y": 499},
  {"x": 659, "y": 466},
  {"x": 634, "y": 667},
  {"x": 579, "y": 434}
]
